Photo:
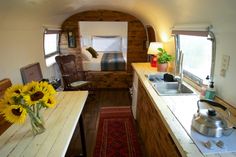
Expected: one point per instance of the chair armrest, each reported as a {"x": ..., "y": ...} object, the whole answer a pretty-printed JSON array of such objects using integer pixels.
[{"x": 66, "y": 75}]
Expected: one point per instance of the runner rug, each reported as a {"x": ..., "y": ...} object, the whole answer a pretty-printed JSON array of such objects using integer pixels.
[{"x": 116, "y": 136}]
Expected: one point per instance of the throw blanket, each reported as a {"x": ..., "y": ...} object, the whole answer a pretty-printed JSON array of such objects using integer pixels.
[{"x": 112, "y": 62}]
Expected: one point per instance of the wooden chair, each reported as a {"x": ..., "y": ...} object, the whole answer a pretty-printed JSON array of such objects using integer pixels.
[{"x": 71, "y": 77}]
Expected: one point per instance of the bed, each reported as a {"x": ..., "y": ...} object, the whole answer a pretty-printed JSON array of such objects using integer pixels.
[
  {"x": 111, "y": 61},
  {"x": 108, "y": 70},
  {"x": 112, "y": 54}
]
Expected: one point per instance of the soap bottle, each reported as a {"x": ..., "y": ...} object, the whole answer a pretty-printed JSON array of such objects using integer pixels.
[
  {"x": 204, "y": 87},
  {"x": 210, "y": 92}
]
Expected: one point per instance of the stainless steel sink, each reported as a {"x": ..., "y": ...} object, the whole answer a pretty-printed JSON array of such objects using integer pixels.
[
  {"x": 168, "y": 88},
  {"x": 171, "y": 88}
]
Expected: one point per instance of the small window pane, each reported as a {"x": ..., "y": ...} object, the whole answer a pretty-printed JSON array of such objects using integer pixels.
[
  {"x": 50, "y": 47},
  {"x": 50, "y": 60},
  {"x": 50, "y": 43},
  {"x": 107, "y": 43},
  {"x": 197, "y": 55}
]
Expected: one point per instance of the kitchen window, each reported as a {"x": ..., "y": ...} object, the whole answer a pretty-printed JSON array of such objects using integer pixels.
[
  {"x": 51, "y": 48},
  {"x": 199, "y": 54}
]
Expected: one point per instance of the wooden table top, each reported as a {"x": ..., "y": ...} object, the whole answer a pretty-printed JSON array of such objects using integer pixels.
[{"x": 60, "y": 123}]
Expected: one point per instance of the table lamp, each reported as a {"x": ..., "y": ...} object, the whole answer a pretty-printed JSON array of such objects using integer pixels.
[{"x": 153, "y": 50}]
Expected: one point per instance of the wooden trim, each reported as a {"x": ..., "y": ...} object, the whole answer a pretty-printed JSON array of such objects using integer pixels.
[
  {"x": 193, "y": 84},
  {"x": 151, "y": 34},
  {"x": 4, "y": 84}
]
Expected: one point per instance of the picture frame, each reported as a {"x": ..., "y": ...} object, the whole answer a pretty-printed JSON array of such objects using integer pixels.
[{"x": 71, "y": 39}]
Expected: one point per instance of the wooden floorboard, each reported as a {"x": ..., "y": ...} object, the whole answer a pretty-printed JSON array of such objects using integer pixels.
[{"x": 100, "y": 98}]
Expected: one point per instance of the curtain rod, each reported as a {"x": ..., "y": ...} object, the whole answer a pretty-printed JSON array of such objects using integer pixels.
[{"x": 192, "y": 27}]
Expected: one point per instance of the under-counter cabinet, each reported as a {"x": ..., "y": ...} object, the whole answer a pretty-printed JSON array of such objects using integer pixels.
[{"x": 156, "y": 138}]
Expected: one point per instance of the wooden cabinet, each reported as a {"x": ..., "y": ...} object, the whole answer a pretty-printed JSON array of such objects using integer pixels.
[{"x": 156, "y": 138}]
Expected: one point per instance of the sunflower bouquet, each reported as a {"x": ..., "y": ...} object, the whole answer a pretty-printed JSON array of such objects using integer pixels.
[{"x": 22, "y": 100}]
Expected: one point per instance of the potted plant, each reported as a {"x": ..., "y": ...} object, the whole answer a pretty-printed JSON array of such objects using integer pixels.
[{"x": 163, "y": 59}]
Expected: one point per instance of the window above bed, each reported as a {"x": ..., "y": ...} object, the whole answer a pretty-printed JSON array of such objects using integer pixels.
[{"x": 107, "y": 43}]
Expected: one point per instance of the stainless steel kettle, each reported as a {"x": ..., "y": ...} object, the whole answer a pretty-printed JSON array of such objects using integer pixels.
[{"x": 208, "y": 122}]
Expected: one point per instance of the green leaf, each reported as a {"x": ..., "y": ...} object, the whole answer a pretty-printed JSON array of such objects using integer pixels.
[{"x": 163, "y": 56}]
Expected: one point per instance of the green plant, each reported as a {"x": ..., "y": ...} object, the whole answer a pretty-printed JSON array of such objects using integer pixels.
[{"x": 163, "y": 56}]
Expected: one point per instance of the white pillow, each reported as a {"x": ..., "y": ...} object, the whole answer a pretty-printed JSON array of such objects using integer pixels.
[
  {"x": 84, "y": 57},
  {"x": 85, "y": 54}
]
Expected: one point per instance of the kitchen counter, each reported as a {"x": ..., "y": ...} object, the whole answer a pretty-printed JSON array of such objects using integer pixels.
[{"x": 176, "y": 113}]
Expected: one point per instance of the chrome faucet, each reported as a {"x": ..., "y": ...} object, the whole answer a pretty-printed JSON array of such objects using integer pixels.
[{"x": 179, "y": 70}]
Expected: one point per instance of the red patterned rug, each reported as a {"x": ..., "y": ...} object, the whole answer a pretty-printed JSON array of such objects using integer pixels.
[{"x": 116, "y": 136}]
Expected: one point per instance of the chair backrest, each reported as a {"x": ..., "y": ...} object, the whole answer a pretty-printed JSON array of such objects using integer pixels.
[
  {"x": 67, "y": 66},
  {"x": 31, "y": 72}
]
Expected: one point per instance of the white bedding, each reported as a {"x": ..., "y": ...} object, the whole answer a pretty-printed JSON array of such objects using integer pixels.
[{"x": 94, "y": 64}]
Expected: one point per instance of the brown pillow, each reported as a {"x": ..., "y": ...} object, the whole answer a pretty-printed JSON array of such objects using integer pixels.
[{"x": 93, "y": 52}]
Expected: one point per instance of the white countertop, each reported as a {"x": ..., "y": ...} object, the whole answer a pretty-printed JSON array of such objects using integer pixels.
[{"x": 183, "y": 106}]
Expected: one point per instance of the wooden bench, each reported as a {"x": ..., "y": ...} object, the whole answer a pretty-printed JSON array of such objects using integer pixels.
[
  {"x": 109, "y": 79},
  {"x": 4, "y": 84}
]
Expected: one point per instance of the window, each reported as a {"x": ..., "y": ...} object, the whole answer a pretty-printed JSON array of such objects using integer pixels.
[
  {"x": 199, "y": 55},
  {"x": 107, "y": 43},
  {"x": 51, "y": 38}
]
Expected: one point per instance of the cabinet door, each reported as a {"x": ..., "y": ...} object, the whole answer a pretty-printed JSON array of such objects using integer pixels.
[{"x": 156, "y": 138}]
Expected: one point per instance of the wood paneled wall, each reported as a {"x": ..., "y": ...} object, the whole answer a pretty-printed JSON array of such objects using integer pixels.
[{"x": 137, "y": 51}]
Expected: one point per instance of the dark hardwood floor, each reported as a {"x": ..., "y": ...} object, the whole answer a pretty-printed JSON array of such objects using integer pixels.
[{"x": 100, "y": 98}]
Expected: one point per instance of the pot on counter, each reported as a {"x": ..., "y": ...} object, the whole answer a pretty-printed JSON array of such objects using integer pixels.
[{"x": 208, "y": 122}]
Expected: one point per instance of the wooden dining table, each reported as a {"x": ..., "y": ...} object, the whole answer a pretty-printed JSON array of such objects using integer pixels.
[{"x": 60, "y": 123}]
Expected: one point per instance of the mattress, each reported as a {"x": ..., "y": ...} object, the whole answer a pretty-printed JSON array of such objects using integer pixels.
[
  {"x": 106, "y": 61},
  {"x": 113, "y": 62},
  {"x": 94, "y": 64}
]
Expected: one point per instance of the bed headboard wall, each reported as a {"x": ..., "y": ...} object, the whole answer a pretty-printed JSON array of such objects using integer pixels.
[
  {"x": 107, "y": 43},
  {"x": 136, "y": 35}
]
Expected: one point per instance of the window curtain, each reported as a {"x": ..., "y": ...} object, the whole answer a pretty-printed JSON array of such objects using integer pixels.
[
  {"x": 52, "y": 31},
  {"x": 194, "y": 30}
]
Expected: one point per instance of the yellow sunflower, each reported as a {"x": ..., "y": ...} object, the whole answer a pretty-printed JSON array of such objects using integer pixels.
[
  {"x": 50, "y": 101},
  {"x": 15, "y": 114},
  {"x": 11, "y": 92},
  {"x": 35, "y": 97},
  {"x": 36, "y": 92},
  {"x": 4, "y": 103},
  {"x": 14, "y": 90},
  {"x": 29, "y": 87},
  {"x": 45, "y": 86}
]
